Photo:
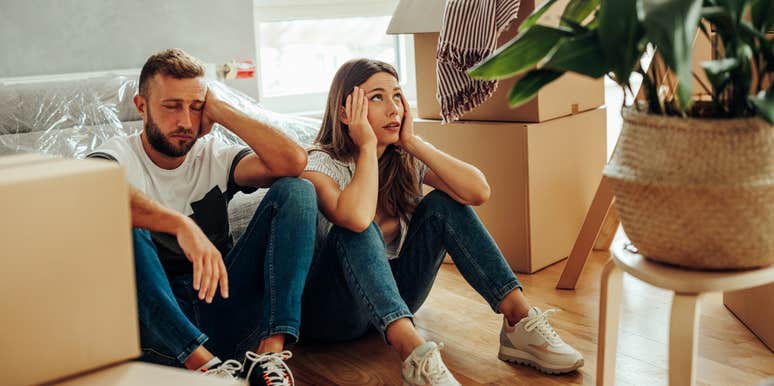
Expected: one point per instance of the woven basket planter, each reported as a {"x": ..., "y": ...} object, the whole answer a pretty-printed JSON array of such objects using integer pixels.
[{"x": 697, "y": 193}]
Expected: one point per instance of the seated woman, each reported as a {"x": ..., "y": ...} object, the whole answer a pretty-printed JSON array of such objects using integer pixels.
[{"x": 380, "y": 243}]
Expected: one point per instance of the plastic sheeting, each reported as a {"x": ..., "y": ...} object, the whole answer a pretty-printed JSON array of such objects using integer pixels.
[{"x": 70, "y": 118}]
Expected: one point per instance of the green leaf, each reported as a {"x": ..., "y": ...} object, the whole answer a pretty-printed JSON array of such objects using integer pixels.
[
  {"x": 762, "y": 12},
  {"x": 578, "y": 10},
  {"x": 735, "y": 8},
  {"x": 528, "y": 86},
  {"x": 581, "y": 54},
  {"x": 619, "y": 35},
  {"x": 672, "y": 26},
  {"x": 520, "y": 54},
  {"x": 533, "y": 18},
  {"x": 720, "y": 18},
  {"x": 574, "y": 26},
  {"x": 719, "y": 72},
  {"x": 764, "y": 105}
]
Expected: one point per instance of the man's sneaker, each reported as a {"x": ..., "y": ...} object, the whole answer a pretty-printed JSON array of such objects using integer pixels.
[
  {"x": 268, "y": 369},
  {"x": 425, "y": 367},
  {"x": 533, "y": 342},
  {"x": 229, "y": 369}
]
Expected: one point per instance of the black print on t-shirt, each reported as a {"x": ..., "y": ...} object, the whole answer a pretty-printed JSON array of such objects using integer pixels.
[{"x": 211, "y": 215}]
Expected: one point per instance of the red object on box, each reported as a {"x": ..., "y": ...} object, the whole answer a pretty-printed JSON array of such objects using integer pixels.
[{"x": 245, "y": 68}]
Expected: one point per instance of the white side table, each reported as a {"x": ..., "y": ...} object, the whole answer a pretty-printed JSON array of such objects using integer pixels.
[{"x": 688, "y": 285}]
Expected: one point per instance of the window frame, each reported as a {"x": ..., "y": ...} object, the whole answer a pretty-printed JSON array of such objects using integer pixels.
[{"x": 309, "y": 104}]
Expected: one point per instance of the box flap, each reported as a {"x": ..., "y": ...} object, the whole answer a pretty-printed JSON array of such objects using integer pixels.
[{"x": 417, "y": 16}]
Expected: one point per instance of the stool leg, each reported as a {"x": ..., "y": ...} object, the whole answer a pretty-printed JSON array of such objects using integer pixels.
[
  {"x": 609, "y": 313},
  {"x": 683, "y": 333}
]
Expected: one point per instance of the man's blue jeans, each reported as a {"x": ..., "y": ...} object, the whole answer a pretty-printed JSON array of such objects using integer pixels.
[
  {"x": 267, "y": 269},
  {"x": 351, "y": 284}
]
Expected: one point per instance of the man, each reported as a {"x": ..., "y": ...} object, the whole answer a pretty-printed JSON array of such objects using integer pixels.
[{"x": 181, "y": 181}]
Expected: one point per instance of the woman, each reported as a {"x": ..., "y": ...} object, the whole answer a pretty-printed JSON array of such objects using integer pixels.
[{"x": 380, "y": 243}]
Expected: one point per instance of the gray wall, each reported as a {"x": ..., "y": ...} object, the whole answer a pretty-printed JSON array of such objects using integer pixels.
[{"x": 41, "y": 37}]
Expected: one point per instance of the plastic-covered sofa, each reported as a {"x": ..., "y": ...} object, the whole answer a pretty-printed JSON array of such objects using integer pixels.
[{"x": 70, "y": 118}]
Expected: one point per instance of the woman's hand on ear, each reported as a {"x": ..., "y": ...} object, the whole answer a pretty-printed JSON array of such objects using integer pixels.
[
  {"x": 360, "y": 129},
  {"x": 407, "y": 136}
]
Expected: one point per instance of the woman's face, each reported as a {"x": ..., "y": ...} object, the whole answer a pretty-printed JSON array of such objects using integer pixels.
[{"x": 385, "y": 107}]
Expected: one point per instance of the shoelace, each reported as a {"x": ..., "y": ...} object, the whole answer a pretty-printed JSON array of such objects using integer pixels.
[
  {"x": 540, "y": 321},
  {"x": 275, "y": 371},
  {"x": 429, "y": 369},
  {"x": 227, "y": 369}
]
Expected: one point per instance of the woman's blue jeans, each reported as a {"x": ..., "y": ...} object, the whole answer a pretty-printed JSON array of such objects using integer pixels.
[
  {"x": 267, "y": 269},
  {"x": 352, "y": 286}
]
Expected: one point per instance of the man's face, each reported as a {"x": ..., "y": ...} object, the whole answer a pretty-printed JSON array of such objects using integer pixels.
[{"x": 173, "y": 114}]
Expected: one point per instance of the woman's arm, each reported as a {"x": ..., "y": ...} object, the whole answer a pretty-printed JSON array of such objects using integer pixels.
[
  {"x": 460, "y": 180},
  {"x": 354, "y": 207}
]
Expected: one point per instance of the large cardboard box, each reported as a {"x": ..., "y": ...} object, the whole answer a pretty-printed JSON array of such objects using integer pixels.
[
  {"x": 67, "y": 281},
  {"x": 755, "y": 308},
  {"x": 543, "y": 177},
  {"x": 145, "y": 374},
  {"x": 567, "y": 95},
  {"x": 69, "y": 307}
]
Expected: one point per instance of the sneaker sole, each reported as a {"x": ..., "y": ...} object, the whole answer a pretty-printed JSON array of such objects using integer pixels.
[{"x": 524, "y": 358}]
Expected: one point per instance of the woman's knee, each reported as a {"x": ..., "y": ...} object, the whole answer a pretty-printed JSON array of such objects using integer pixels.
[
  {"x": 440, "y": 201},
  {"x": 370, "y": 239}
]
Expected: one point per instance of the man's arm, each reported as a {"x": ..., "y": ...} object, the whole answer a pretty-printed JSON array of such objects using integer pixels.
[
  {"x": 208, "y": 267},
  {"x": 275, "y": 156}
]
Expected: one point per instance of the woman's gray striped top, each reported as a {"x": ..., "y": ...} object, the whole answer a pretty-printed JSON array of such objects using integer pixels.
[{"x": 342, "y": 172}]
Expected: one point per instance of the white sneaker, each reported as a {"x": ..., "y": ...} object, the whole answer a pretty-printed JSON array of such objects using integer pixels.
[
  {"x": 425, "y": 367},
  {"x": 229, "y": 369},
  {"x": 533, "y": 342},
  {"x": 269, "y": 369}
]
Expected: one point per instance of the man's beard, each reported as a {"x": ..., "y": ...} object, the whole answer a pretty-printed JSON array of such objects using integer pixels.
[{"x": 162, "y": 144}]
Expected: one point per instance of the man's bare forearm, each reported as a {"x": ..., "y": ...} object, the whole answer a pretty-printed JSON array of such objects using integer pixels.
[
  {"x": 280, "y": 154},
  {"x": 149, "y": 214}
]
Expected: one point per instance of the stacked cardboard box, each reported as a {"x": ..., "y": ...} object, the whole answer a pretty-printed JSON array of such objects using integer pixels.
[
  {"x": 755, "y": 306},
  {"x": 543, "y": 160},
  {"x": 69, "y": 305}
]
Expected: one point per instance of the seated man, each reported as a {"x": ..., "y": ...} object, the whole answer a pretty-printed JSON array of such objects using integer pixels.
[{"x": 181, "y": 181}]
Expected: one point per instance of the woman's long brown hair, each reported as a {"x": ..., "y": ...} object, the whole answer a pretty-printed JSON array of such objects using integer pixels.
[{"x": 398, "y": 185}]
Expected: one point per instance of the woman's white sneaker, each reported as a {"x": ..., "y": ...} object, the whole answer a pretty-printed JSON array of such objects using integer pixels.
[
  {"x": 533, "y": 342},
  {"x": 425, "y": 367}
]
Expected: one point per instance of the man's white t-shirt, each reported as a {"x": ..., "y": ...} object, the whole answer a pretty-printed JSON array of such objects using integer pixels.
[{"x": 199, "y": 188}]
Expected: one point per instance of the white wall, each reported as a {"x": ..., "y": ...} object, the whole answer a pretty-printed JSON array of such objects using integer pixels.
[{"x": 42, "y": 37}]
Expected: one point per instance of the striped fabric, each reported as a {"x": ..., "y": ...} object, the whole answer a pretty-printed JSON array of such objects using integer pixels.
[{"x": 468, "y": 35}]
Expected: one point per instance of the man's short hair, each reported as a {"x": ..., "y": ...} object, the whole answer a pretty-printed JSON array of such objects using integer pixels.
[{"x": 172, "y": 62}]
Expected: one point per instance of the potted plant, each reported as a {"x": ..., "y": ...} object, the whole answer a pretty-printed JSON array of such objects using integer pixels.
[{"x": 693, "y": 175}]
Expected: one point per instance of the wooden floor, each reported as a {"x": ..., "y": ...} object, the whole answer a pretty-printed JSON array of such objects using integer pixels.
[{"x": 455, "y": 314}]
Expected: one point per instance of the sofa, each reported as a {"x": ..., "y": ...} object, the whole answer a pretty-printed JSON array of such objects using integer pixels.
[{"x": 70, "y": 117}]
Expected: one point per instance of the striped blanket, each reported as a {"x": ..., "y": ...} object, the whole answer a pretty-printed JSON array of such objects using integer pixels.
[{"x": 468, "y": 35}]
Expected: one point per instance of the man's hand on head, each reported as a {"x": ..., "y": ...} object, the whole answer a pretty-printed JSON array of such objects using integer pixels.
[{"x": 210, "y": 114}]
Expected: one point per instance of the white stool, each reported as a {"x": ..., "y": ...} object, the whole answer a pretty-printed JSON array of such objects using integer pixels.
[{"x": 689, "y": 286}]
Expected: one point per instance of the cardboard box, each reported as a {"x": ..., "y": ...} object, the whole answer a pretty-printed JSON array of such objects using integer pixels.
[
  {"x": 137, "y": 373},
  {"x": 543, "y": 177},
  {"x": 755, "y": 308},
  {"x": 702, "y": 51},
  {"x": 567, "y": 95},
  {"x": 67, "y": 280}
]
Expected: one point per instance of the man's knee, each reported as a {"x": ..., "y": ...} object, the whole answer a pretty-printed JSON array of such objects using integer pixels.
[{"x": 297, "y": 190}]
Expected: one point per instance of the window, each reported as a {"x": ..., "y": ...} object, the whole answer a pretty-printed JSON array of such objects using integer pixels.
[{"x": 301, "y": 44}]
